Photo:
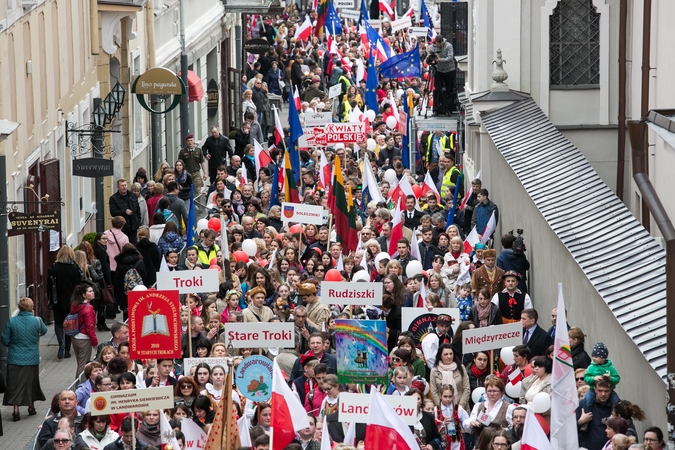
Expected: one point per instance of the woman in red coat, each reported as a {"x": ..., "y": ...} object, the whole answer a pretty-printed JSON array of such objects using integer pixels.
[{"x": 85, "y": 339}]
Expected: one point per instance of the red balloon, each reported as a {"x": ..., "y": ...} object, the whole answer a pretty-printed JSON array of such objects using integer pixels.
[
  {"x": 213, "y": 262},
  {"x": 333, "y": 275},
  {"x": 215, "y": 266},
  {"x": 295, "y": 229},
  {"x": 240, "y": 256},
  {"x": 417, "y": 190},
  {"x": 214, "y": 224},
  {"x": 426, "y": 76}
]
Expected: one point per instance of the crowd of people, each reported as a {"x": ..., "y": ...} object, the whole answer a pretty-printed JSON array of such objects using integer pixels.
[{"x": 280, "y": 281}]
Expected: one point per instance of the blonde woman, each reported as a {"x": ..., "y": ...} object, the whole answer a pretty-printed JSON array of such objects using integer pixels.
[
  {"x": 247, "y": 104},
  {"x": 65, "y": 274}
]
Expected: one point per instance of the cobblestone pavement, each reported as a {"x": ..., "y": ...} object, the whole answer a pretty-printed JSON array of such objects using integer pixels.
[{"x": 55, "y": 376}]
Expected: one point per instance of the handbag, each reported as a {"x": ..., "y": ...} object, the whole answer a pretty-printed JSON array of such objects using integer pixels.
[
  {"x": 94, "y": 286},
  {"x": 107, "y": 295}
]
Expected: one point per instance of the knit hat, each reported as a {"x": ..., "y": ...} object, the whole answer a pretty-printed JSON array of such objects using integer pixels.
[{"x": 600, "y": 350}]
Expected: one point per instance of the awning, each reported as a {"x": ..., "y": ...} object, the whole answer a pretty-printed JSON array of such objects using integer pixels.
[{"x": 195, "y": 88}]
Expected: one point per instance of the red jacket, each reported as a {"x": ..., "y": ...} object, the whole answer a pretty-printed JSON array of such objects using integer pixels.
[
  {"x": 87, "y": 320},
  {"x": 152, "y": 205}
]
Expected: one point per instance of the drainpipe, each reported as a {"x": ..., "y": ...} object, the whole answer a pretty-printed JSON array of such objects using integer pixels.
[
  {"x": 644, "y": 104},
  {"x": 621, "y": 151},
  {"x": 637, "y": 131}
]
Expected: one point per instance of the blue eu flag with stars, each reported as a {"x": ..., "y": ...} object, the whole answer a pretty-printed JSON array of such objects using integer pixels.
[{"x": 405, "y": 65}]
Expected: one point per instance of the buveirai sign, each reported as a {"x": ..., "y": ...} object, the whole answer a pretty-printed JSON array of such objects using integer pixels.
[{"x": 93, "y": 167}]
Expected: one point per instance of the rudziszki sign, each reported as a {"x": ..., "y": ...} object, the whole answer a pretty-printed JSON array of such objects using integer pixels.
[{"x": 358, "y": 293}]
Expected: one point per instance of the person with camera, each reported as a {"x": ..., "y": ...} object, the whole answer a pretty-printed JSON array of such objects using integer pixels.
[
  {"x": 513, "y": 257},
  {"x": 442, "y": 59}
]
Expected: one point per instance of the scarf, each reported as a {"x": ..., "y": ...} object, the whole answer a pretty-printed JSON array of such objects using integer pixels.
[
  {"x": 257, "y": 312},
  {"x": 477, "y": 372},
  {"x": 182, "y": 177},
  {"x": 99, "y": 436},
  {"x": 456, "y": 255},
  {"x": 483, "y": 314},
  {"x": 448, "y": 371}
]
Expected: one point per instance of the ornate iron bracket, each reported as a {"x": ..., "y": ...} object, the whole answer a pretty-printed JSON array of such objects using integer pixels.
[{"x": 81, "y": 140}]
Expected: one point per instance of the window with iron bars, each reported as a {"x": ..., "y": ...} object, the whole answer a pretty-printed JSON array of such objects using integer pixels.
[{"x": 574, "y": 45}]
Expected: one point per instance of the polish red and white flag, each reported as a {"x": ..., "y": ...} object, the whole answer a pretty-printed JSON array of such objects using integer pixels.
[
  {"x": 262, "y": 158},
  {"x": 288, "y": 414},
  {"x": 304, "y": 31},
  {"x": 429, "y": 185},
  {"x": 385, "y": 428}
]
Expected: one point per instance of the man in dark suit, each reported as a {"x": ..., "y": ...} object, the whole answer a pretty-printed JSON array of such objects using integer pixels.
[
  {"x": 534, "y": 336},
  {"x": 385, "y": 237},
  {"x": 411, "y": 215}
]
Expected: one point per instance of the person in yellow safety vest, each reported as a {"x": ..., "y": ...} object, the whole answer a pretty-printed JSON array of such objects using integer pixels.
[
  {"x": 450, "y": 177},
  {"x": 208, "y": 248},
  {"x": 346, "y": 107},
  {"x": 344, "y": 81},
  {"x": 437, "y": 144}
]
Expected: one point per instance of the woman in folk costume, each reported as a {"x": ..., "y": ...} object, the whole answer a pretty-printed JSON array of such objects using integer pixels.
[
  {"x": 511, "y": 300},
  {"x": 257, "y": 311}
]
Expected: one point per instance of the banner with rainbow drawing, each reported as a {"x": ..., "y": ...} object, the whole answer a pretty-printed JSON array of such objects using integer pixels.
[{"x": 361, "y": 351}]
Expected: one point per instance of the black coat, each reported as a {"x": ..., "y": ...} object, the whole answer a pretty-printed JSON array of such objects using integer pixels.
[
  {"x": 539, "y": 342},
  {"x": 337, "y": 433},
  {"x": 102, "y": 255},
  {"x": 393, "y": 320},
  {"x": 184, "y": 188},
  {"x": 495, "y": 316},
  {"x": 125, "y": 261},
  {"x": 118, "y": 207},
  {"x": 415, "y": 221},
  {"x": 510, "y": 260},
  {"x": 68, "y": 275},
  {"x": 580, "y": 358},
  {"x": 218, "y": 148},
  {"x": 151, "y": 260}
]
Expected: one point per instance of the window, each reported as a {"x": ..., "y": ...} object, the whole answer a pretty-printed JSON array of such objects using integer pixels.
[
  {"x": 575, "y": 44},
  {"x": 454, "y": 23}
]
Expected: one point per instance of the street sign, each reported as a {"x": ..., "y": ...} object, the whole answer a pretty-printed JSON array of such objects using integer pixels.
[
  {"x": 343, "y": 133},
  {"x": 400, "y": 24}
]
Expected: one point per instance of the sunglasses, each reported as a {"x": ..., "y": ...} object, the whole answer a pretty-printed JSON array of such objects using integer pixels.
[
  {"x": 186, "y": 386},
  {"x": 61, "y": 441},
  {"x": 580, "y": 379},
  {"x": 396, "y": 359},
  {"x": 319, "y": 270}
]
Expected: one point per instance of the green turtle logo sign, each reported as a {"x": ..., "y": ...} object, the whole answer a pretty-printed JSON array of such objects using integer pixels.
[{"x": 162, "y": 82}]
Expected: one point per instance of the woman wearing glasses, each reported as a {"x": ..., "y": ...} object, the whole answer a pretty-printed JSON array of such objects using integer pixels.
[
  {"x": 185, "y": 392},
  {"x": 501, "y": 441},
  {"x": 493, "y": 411},
  {"x": 98, "y": 433},
  {"x": 62, "y": 439}
]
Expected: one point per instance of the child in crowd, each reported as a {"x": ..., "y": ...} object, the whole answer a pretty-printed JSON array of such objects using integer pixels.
[
  {"x": 432, "y": 301},
  {"x": 601, "y": 367},
  {"x": 428, "y": 406},
  {"x": 184, "y": 317},
  {"x": 451, "y": 416},
  {"x": 214, "y": 323},
  {"x": 194, "y": 304},
  {"x": 464, "y": 302},
  {"x": 400, "y": 383}
]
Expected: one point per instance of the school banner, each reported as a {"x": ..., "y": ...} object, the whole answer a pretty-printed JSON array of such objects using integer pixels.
[
  {"x": 300, "y": 213},
  {"x": 361, "y": 351},
  {"x": 421, "y": 321},
  {"x": 154, "y": 324},
  {"x": 113, "y": 402}
]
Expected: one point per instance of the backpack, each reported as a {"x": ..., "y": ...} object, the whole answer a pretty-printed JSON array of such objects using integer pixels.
[
  {"x": 132, "y": 278},
  {"x": 71, "y": 324}
]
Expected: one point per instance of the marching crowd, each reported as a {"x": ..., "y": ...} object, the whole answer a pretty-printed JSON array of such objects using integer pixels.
[{"x": 270, "y": 272}]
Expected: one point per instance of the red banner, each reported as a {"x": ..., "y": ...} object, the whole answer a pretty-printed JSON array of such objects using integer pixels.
[{"x": 154, "y": 324}]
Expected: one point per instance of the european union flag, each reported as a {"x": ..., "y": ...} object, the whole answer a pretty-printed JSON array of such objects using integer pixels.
[
  {"x": 424, "y": 12},
  {"x": 405, "y": 150},
  {"x": 371, "y": 84},
  {"x": 377, "y": 45},
  {"x": 190, "y": 226},
  {"x": 295, "y": 133},
  {"x": 405, "y": 65},
  {"x": 333, "y": 23},
  {"x": 364, "y": 12}
]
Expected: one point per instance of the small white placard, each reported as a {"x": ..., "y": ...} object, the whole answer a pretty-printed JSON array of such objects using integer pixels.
[
  {"x": 488, "y": 338},
  {"x": 255, "y": 335},
  {"x": 189, "y": 363},
  {"x": 334, "y": 91},
  {"x": 377, "y": 24},
  {"x": 359, "y": 293},
  {"x": 418, "y": 31},
  {"x": 349, "y": 14},
  {"x": 188, "y": 281},
  {"x": 400, "y": 24},
  {"x": 318, "y": 118},
  {"x": 300, "y": 213},
  {"x": 354, "y": 407},
  {"x": 113, "y": 402},
  {"x": 343, "y": 3}
]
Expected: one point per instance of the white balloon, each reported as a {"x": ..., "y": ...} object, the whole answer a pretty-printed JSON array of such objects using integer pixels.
[
  {"x": 380, "y": 256},
  {"x": 507, "y": 355},
  {"x": 399, "y": 93},
  {"x": 321, "y": 105},
  {"x": 477, "y": 394},
  {"x": 370, "y": 114},
  {"x": 391, "y": 122},
  {"x": 513, "y": 390},
  {"x": 249, "y": 247},
  {"x": 339, "y": 146},
  {"x": 371, "y": 144},
  {"x": 541, "y": 402},
  {"x": 413, "y": 268},
  {"x": 361, "y": 275},
  {"x": 390, "y": 176},
  {"x": 309, "y": 110},
  {"x": 202, "y": 224},
  {"x": 140, "y": 287}
]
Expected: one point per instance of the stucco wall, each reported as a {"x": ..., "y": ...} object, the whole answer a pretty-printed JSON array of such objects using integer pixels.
[{"x": 551, "y": 263}]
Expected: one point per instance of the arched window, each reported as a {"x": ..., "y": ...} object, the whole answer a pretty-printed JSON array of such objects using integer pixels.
[{"x": 574, "y": 44}]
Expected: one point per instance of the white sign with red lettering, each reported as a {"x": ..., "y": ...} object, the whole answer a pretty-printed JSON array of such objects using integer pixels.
[
  {"x": 301, "y": 213},
  {"x": 354, "y": 407},
  {"x": 264, "y": 334},
  {"x": 188, "y": 281},
  {"x": 399, "y": 24},
  {"x": 337, "y": 133},
  {"x": 488, "y": 338},
  {"x": 307, "y": 138},
  {"x": 359, "y": 293}
]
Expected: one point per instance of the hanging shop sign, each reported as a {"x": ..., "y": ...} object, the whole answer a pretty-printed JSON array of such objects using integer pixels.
[
  {"x": 212, "y": 98},
  {"x": 93, "y": 167},
  {"x": 257, "y": 46},
  {"x": 161, "y": 82},
  {"x": 34, "y": 221}
]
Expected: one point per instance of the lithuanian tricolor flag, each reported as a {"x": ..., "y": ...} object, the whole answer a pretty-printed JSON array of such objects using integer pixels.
[
  {"x": 353, "y": 233},
  {"x": 321, "y": 15},
  {"x": 290, "y": 190},
  {"x": 339, "y": 207}
]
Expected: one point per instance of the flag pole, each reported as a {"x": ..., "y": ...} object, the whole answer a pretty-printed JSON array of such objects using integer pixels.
[
  {"x": 189, "y": 331},
  {"x": 227, "y": 405}
]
